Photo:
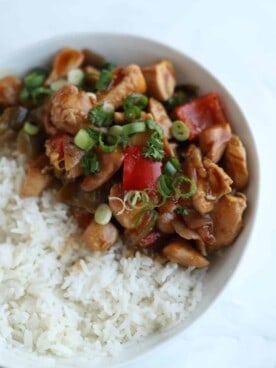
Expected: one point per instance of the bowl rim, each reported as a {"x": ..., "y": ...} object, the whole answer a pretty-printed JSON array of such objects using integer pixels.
[{"x": 70, "y": 36}]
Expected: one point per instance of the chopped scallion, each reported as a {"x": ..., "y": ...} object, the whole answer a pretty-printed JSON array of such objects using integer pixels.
[
  {"x": 35, "y": 78},
  {"x": 133, "y": 128},
  {"x": 30, "y": 129},
  {"x": 184, "y": 179},
  {"x": 180, "y": 131},
  {"x": 101, "y": 115},
  {"x": 83, "y": 140},
  {"x": 90, "y": 163},
  {"x": 103, "y": 214}
]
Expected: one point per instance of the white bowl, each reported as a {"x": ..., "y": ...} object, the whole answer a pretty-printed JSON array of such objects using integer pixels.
[{"x": 123, "y": 49}]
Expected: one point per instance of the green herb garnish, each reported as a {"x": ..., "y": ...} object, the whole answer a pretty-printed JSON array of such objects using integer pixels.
[
  {"x": 101, "y": 116},
  {"x": 154, "y": 147},
  {"x": 104, "y": 80},
  {"x": 90, "y": 163},
  {"x": 183, "y": 211}
]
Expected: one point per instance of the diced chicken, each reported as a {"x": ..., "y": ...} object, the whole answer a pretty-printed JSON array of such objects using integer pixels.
[
  {"x": 181, "y": 252},
  {"x": 124, "y": 215},
  {"x": 36, "y": 180},
  {"x": 213, "y": 141},
  {"x": 227, "y": 219},
  {"x": 68, "y": 109},
  {"x": 160, "y": 116},
  {"x": 64, "y": 155},
  {"x": 219, "y": 182},
  {"x": 72, "y": 161},
  {"x": 211, "y": 180},
  {"x": 165, "y": 222},
  {"x": 92, "y": 74},
  {"x": 110, "y": 163},
  {"x": 160, "y": 79},
  {"x": 9, "y": 90},
  {"x": 65, "y": 60},
  {"x": 125, "y": 81},
  {"x": 235, "y": 162},
  {"x": 100, "y": 237}
]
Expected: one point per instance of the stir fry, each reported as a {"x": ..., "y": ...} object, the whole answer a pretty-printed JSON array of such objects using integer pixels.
[{"x": 132, "y": 153}]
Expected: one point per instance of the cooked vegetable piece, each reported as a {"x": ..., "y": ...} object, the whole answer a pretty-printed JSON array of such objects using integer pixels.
[
  {"x": 30, "y": 128},
  {"x": 139, "y": 172},
  {"x": 235, "y": 162},
  {"x": 90, "y": 163},
  {"x": 100, "y": 237},
  {"x": 83, "y": 140},
  {"x": 103, "y": 214},
  {"x": 201, "y": 113},
  {"x": 181, "y": 252},
  {"x": 101, "y": 115},
  {"x": 180, "y": 131},
  {"x": 154, "y": 147},
  {"x": 160, "y": 79},
  {"x": 92, "y": 58}
]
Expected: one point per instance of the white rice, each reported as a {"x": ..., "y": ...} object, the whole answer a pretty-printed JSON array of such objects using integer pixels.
[{"x": 56, "y": 297}]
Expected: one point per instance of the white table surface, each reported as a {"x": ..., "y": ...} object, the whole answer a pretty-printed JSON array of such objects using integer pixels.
[{"x": 235, "y": 40}]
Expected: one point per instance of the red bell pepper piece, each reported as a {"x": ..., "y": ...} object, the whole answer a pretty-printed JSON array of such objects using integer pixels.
[
  {"x": 201, "y": 113},
  {"x": 139, "y": 172}
]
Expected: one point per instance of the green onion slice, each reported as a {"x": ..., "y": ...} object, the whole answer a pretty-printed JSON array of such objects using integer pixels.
[
  {"x": 171, "y": 166},
  {"x": 30, "y": 128},
  {"x": 180, "y": 131},
  {"x": 83, "y": 140},
  {"x": 101, "y": 115},
  {"x": 164, "y": 185},
  {"x": 35, "y": 78},
  {"x": 136, "y": 99},
  {"x": 103, "y": 214},
  {"x": 176, "y": 186},
  {"x": 132, "y": 128},
  {"x": 108, "y": 148},
  {"x": 132, "y": 113},
  {"x": 116, "y": 130},
  {"x": 152, "y": 125}
]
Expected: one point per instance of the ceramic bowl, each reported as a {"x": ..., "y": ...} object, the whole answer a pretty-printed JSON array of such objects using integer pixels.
[{"x": 123, "y": 49}]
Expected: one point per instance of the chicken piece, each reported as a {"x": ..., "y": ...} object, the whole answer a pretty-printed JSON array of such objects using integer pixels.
[
  {"x": 65, "y": 60},
  {"x": 181, "y": 252},
  {"x": 235, "y": 162},
  {"x": 182, "y": 230},
  {"x": 110, "y": 163},
  {"x": 125, "y": 81},
  {"x": 160, "y": 116},
  {"x": 227, "y": 219},
  {"x": 9, "y": 90},
  {"x": 165, "y": 222},
  {"x": 219, "y": 182},
  {"x": 72, "y": 161},
  {"x": 37, "y": 179},
  {"x": 211, "y": 180},
  {"x": 160, "y": 79},
  {"x": 213, "y": 141},
  {"x": 100, "y": 237},
  {"x": 91, "y": 74},
  {"x": 124, "y": 215},
  {"x": 68, "y": 109}
]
